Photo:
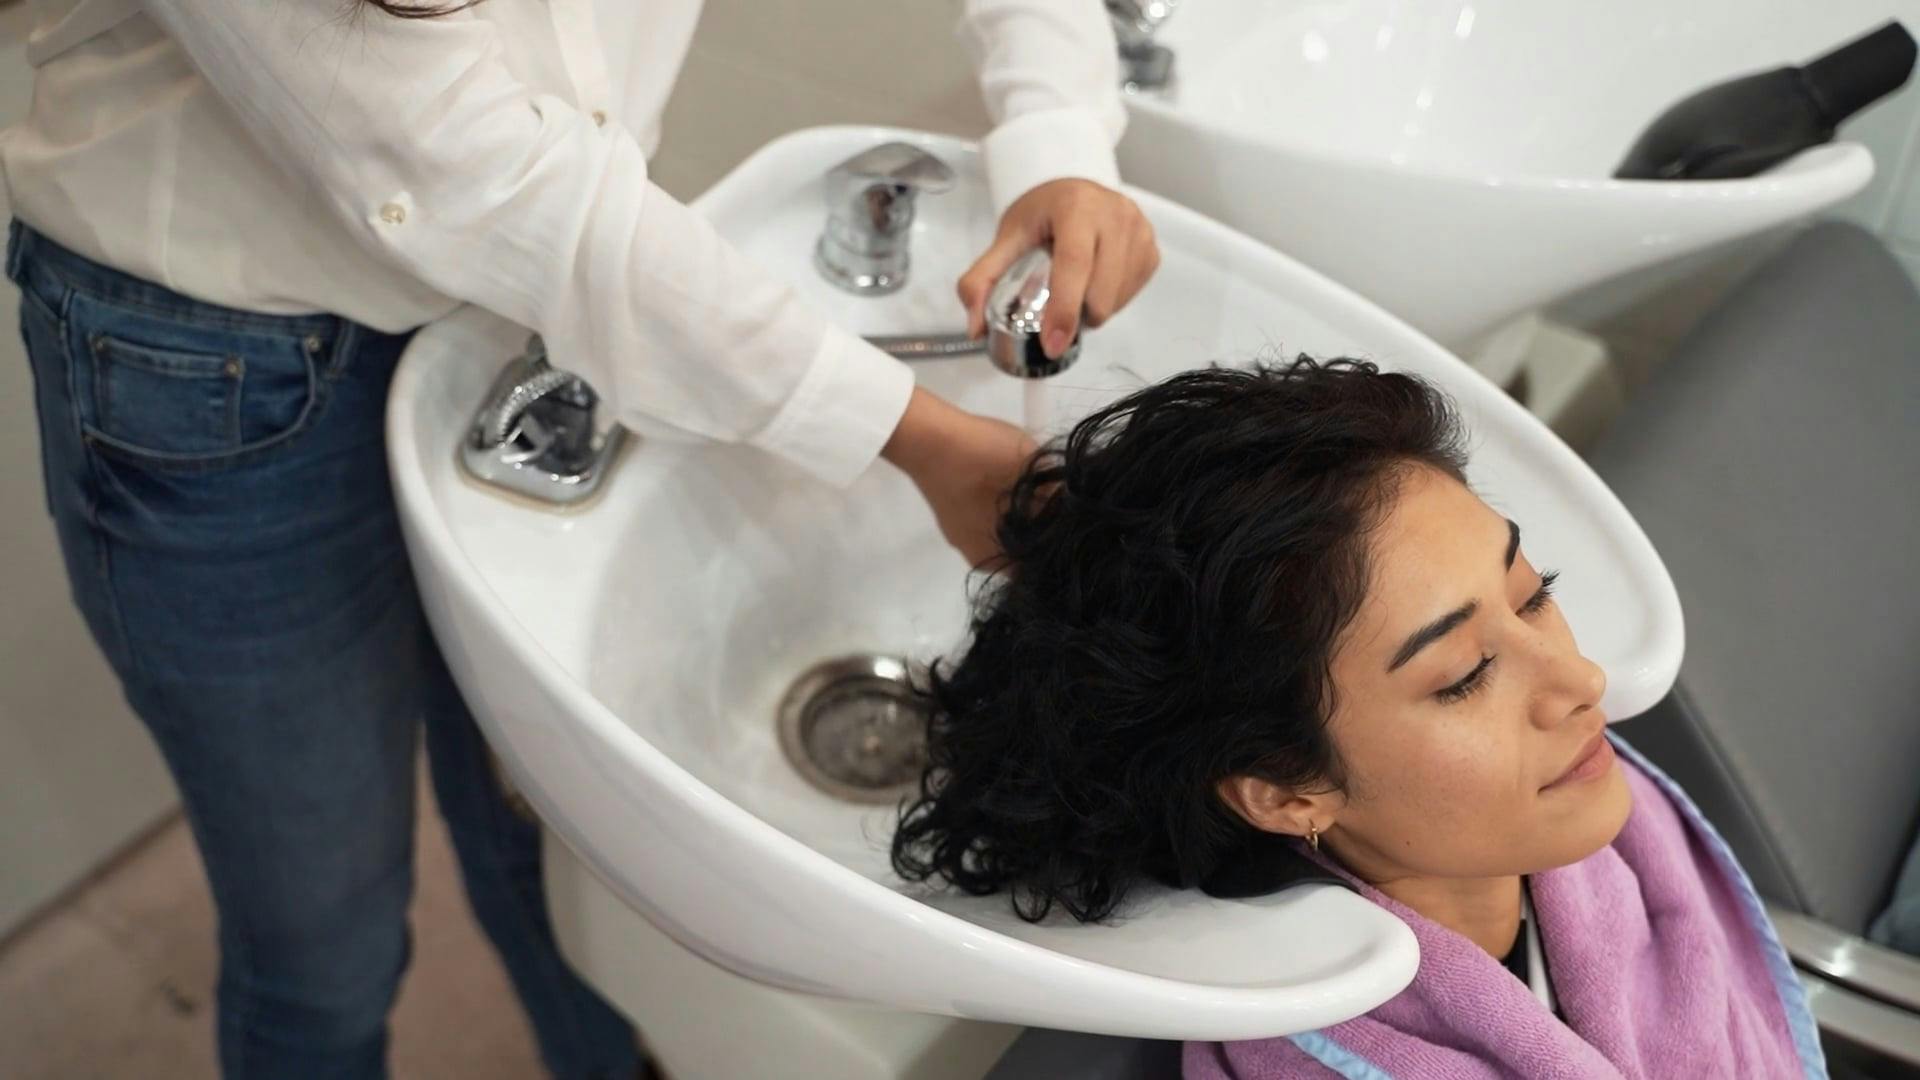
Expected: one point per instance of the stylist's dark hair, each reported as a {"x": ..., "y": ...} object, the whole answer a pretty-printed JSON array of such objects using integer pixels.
[{"x": 1177, "y": 572}]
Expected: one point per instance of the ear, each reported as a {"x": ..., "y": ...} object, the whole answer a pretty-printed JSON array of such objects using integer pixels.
[{"x": 1271, "y": 808}]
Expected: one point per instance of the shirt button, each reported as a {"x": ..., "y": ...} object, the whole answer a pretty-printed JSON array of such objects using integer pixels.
[
  {"x": 600, "y": 117},
  {"x": 393, "y": 214}
]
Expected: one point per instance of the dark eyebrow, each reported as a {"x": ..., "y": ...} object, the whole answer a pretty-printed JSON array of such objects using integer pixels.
[
  {"x": 1447, "y": 623},
  {"x": 1432, "y": 632}
]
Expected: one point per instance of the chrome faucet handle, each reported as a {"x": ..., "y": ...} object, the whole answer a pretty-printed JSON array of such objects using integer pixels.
[
  {"x": 870, "y": 208},
  {"x": 1016, "y": 309},
  {"x": 1145, "y": 65},
  {"x": 1136, "y": 21},
  {"x": 534, "y": 433},
  {"x": 896, "y": 163}
]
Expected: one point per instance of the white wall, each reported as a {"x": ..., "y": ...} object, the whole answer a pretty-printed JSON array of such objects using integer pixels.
[
  {"x": 78, "y": 776},
  {"x": 761, "y": 68}
]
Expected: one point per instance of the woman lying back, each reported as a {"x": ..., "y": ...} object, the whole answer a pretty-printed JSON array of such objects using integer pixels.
[{"x": 1254, "y": 626}]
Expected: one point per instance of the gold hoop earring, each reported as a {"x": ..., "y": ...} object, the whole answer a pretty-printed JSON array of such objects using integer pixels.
[{"x": 1313, "y": 836}]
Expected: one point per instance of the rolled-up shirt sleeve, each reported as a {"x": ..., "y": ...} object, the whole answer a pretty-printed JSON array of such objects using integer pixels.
[
  {"x": 439, "y": 158},
  {"x": 1050, "y": 73}
]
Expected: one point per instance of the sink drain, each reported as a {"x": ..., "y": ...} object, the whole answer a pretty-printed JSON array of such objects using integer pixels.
[{"x": 855, "y": 729}]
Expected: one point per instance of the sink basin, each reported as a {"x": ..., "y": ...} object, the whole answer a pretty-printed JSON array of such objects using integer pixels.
[
  {"x": 1450, "y": 159},
  {"x": 627, "y": 659}
]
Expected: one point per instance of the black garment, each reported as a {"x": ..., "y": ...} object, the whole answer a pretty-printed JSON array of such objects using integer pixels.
[
  {"x": 1517, "y": 960},
  {"x": 1520, "y": 961}
]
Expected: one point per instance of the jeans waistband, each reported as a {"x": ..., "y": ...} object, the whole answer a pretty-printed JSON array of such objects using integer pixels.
[{"x": 31, "y": 253}]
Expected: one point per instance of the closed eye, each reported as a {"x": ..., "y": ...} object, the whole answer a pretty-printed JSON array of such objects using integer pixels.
[
  {"x": 1477, "y": 678},
  {"x": 1543, "y": 595},
  {"x": 1464, "y": 689}
]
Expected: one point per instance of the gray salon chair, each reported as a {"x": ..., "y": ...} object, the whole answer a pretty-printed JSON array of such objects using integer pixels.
[{"x": 1775, "y": 462}]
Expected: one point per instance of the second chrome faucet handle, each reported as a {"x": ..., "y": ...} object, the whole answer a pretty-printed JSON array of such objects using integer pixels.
[
  {"x": 1135, "y": 21},
  {"x": 1145, "y": 64}
]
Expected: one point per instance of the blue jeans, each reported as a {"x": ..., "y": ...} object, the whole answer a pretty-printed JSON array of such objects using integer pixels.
[{"x": 218, "y": 479}]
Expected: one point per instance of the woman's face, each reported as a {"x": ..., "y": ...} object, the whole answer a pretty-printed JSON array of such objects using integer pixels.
[{"x": 1466, "y": 718}]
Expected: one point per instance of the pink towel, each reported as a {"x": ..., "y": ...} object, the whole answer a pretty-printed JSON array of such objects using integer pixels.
[{"x": 1661, "y": 957}]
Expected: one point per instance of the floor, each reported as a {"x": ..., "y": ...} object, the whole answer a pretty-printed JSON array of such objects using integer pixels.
[{"x": 116, "y": 980}]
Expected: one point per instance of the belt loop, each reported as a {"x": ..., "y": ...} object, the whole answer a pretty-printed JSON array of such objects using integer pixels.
[{"x": 346, "y": 341}]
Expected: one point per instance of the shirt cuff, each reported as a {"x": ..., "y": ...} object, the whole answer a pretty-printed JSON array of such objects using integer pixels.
[
  {"x": 1051, "y": 144},
  {"x": 843, "y": 412}
]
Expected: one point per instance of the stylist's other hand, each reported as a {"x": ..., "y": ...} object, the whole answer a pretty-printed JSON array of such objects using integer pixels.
[
  {"x": 963, "y": 465},
  {"x": 1103, "y": 253}
]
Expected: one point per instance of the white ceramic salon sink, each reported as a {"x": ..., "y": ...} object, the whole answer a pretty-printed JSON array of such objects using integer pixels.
[
  {"x": 626, "y": 659},
  {"x": 1451, "y": 159}
]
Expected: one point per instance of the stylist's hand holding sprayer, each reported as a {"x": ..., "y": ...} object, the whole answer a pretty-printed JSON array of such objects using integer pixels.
[
  {"x": 232, "y": 215},
  {"x": 1103, "y": 252}
]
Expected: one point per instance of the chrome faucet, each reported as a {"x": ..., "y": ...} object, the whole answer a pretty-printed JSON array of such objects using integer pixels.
[
  {"x": 863, "y": 249},
  {"x": 870, "y": 206},
  {"x": 534, "y": 434},
  {"x": 1144, "y": 64}
]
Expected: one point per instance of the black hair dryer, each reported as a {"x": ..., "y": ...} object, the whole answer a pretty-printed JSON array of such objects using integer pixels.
[{"x": 1747, "y": 125}]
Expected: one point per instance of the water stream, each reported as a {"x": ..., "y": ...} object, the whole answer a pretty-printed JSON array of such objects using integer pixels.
[{"x": 1036, "y": 416}]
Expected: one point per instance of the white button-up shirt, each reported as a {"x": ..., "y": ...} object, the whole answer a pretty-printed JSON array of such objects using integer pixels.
[{"x": 298, "y": 156}]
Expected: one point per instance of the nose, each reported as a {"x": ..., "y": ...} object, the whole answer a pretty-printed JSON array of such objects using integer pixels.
[{"x": 1569, "y": 683}]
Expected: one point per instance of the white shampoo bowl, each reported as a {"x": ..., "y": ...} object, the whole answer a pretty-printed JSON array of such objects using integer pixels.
[
  {"x": 1451, "y": 159},
  {"x": 626, "y": 659}
]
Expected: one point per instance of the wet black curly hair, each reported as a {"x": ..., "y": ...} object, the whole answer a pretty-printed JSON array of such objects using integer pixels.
[{"x": 1177, "y": 573}]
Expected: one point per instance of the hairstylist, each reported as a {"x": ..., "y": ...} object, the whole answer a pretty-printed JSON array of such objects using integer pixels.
[{"x": 231, "y": 213}]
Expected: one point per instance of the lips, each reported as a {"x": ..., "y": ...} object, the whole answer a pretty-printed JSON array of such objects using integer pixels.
[{"x": 1593, "y": 760}]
